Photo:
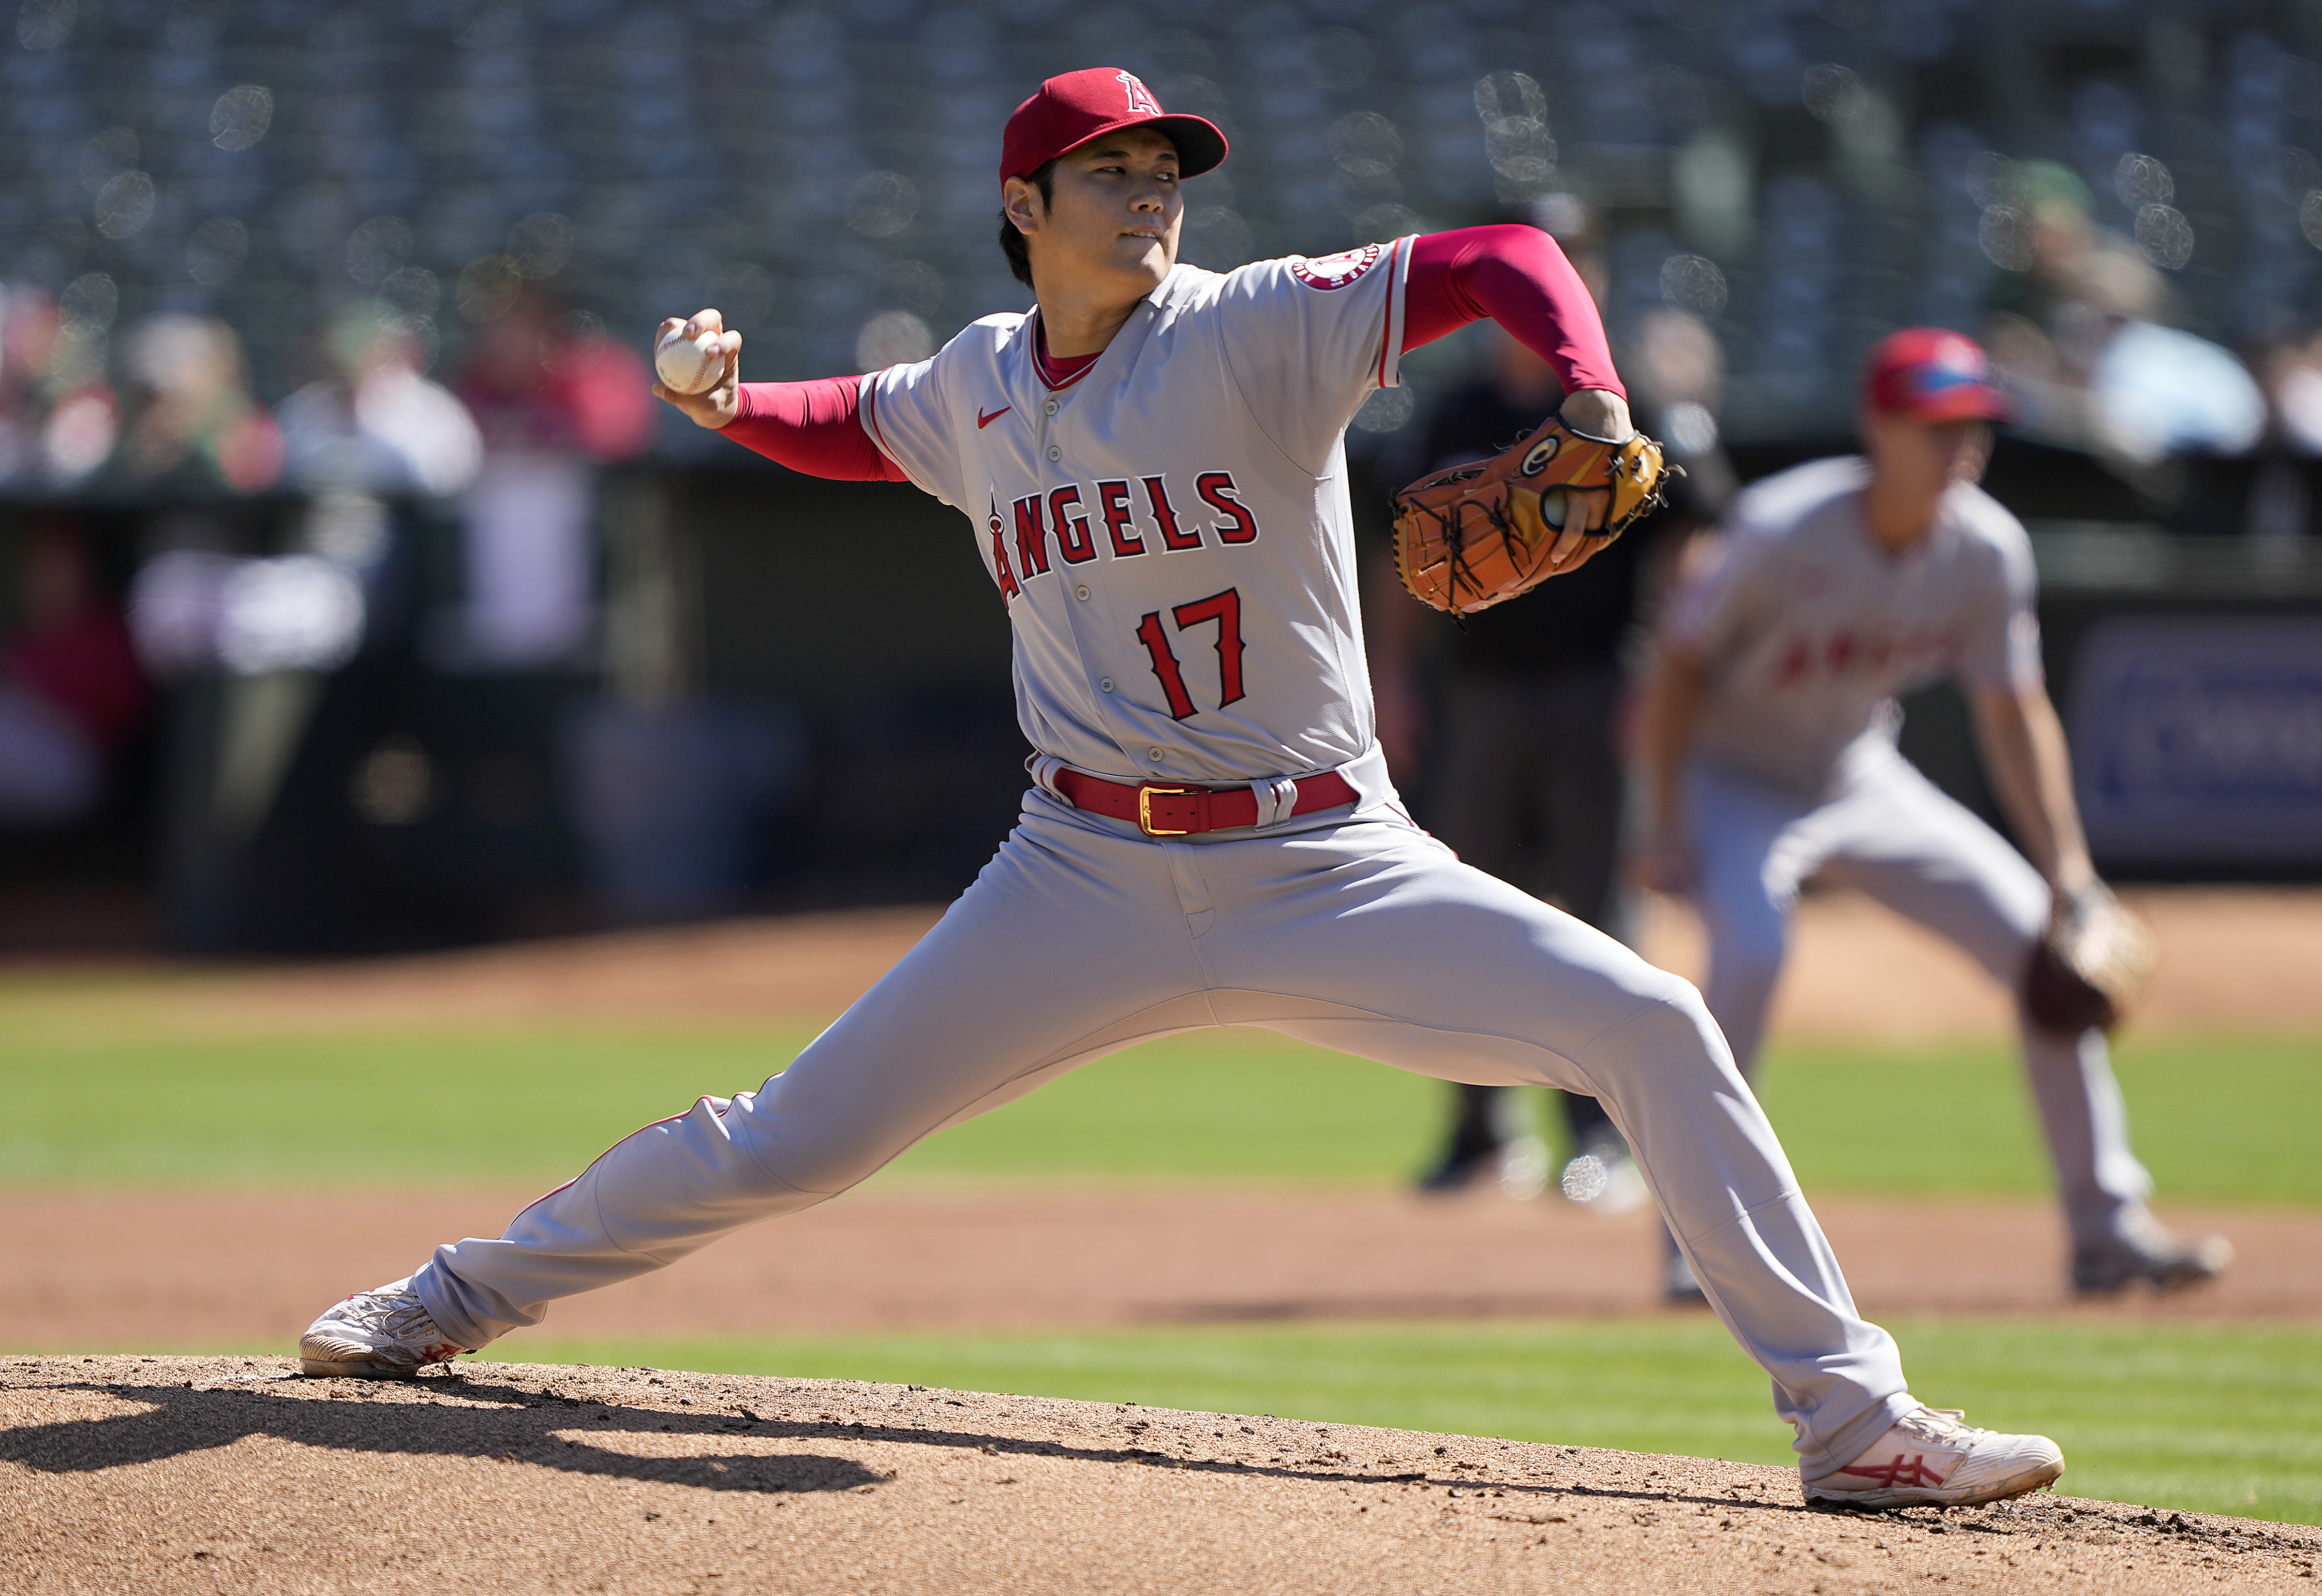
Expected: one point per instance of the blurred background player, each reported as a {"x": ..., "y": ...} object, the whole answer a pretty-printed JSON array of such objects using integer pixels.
[
  {"x": 1767, "y": 733},
  {"x": 1520, "y": 766}
]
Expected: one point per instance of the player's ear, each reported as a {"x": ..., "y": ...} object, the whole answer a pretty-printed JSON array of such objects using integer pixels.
[
  {"x": 1019, "y": 202},
  {"x": 1975, "y": 453}
]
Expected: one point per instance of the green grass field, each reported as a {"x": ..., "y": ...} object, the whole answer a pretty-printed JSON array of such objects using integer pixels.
[
  {"x": 2222, "y": 1419},
  {"x": 102, "y": 1089},
  {"x": 98, "y": 1091}
]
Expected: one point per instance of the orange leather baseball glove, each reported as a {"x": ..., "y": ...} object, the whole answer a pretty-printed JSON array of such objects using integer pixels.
[{"x": 1475, "y": 535}]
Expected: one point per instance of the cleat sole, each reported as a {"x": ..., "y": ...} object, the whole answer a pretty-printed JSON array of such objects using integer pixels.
[
  {"x": 352, "y": 1369},
  {"x": 2037, "y": 1478}
]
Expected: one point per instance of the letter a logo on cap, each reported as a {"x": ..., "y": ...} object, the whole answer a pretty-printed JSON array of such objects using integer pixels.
[
  {"x": 1140, "y": 98},
  {"x": 1073, "y": 107}
]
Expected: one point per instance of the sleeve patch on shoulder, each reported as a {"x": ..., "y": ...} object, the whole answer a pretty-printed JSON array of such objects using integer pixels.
[{"x": 1336, "y": 271}]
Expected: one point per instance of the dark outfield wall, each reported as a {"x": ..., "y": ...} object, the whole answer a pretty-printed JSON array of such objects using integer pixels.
[{"x": 858, "y": 622}]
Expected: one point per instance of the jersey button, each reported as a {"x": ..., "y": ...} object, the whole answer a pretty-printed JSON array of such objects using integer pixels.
[
  {"x": 1080, "y": 592},
  {"x": 1106, "y": 684},
  {"x": 1154, "y": 755},
  {"x": 1051, "y": 407},
  {"x": 1055, "y": 452}
]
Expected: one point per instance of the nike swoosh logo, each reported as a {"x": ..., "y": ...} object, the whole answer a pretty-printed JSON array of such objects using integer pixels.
[{"x": 983, "y": 421}]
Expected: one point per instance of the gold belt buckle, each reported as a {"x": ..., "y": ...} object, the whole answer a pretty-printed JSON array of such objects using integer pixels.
[{"x": 1145, "y": 810}]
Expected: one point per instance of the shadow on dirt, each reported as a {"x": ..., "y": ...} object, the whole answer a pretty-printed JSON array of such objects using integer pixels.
[
  {"x": 451, "y": 1416},
  {"x": 456, "y": 1417},
  {"x": 514, "y": 1426}
]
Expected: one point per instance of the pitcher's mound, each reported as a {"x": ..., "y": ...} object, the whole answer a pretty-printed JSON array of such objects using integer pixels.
[{"x": 129, "y": 1474}]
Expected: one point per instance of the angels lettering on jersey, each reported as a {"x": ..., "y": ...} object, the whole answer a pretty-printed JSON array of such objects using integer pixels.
[
  {"x": 1170, "y": 528},
  {"x": 1122, "y": 517},
  {"x": 1908, "y": 654}
]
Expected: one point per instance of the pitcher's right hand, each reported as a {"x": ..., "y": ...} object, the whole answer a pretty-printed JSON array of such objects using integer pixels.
[{"x": 716, "y": 406}]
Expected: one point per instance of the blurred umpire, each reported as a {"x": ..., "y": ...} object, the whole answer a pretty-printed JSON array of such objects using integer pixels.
[{"x": 1520, "y": 765}]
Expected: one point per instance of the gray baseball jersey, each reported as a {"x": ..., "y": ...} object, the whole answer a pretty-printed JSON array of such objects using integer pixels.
[
  {"x": 1153, "y": 523},
  {"x": 1810, "y": 629}
]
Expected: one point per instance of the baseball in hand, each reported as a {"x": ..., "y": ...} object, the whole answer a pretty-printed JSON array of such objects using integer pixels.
[{"x": 688, "y": 365}]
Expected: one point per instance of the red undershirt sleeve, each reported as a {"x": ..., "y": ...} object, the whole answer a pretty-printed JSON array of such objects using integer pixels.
[
  {"x": 1516, "y": 276},
  {"x": 815, "y": 427}
]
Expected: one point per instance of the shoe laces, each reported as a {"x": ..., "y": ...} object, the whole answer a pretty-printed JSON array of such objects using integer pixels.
[
  {"x": 1945, "y": 1426},
  {"x": 399, "y": 1314}
]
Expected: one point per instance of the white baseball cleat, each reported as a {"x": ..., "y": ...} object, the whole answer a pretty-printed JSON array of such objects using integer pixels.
[
  {"x": 383, "y": 1334},
  {"x": 1930, "y": 1459}
]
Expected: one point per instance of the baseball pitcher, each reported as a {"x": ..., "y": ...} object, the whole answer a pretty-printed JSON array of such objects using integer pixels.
[{"x": 1151, "y": 463}]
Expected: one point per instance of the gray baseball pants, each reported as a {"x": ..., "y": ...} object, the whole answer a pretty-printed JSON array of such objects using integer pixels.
[
  {"x": 1891, "y": 834},
  {"x": 1082, "y": 937}
]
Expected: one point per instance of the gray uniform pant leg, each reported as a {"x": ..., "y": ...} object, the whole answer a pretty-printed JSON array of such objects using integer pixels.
[
  {"x": 1897, "y": 838},
  {"x": 1418, "y": 960},
  {"x": 1053, "y": 957},
  {"x": 1917, "y": 850},
  {"x": 1747, "y": 865}
]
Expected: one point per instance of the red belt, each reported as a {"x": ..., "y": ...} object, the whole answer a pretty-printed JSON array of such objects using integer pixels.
[{"x": 1181, "y": 811}]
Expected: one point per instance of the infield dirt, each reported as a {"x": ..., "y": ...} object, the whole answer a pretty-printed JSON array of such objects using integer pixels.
[
  {"x": 2236, "y": 961},
  {"x": 236, "y": 1475},
  {"x": 250, "y": 1269}
]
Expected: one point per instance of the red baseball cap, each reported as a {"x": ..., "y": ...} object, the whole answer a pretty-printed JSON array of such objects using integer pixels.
[
  {"x": 1071, "y": 110},
  {"x": 1932, "y": 374}
]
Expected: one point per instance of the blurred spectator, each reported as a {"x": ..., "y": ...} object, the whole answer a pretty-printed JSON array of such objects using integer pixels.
[
  {"x": 2047, "y": 325},
  {"x": 2077, "y": 340},
  {"x": 1675, "y": 373},
  {"x": 2294, "y": 379},
  {"x": 58, "y": 419},
  {"x": 191, "y": 431},
  {"x": 554, "y": 397},
  {"x": 2282, "y": 498},
  {"x": 70, "y": 690},
  {"x": 2063, "y": 240},
  {"x": 379, "y": 426},
  {"x": 2159, "y": 391}
]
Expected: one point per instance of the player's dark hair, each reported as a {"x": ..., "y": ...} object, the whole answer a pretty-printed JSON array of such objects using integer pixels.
[{"x": 1011, "y": 243}]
